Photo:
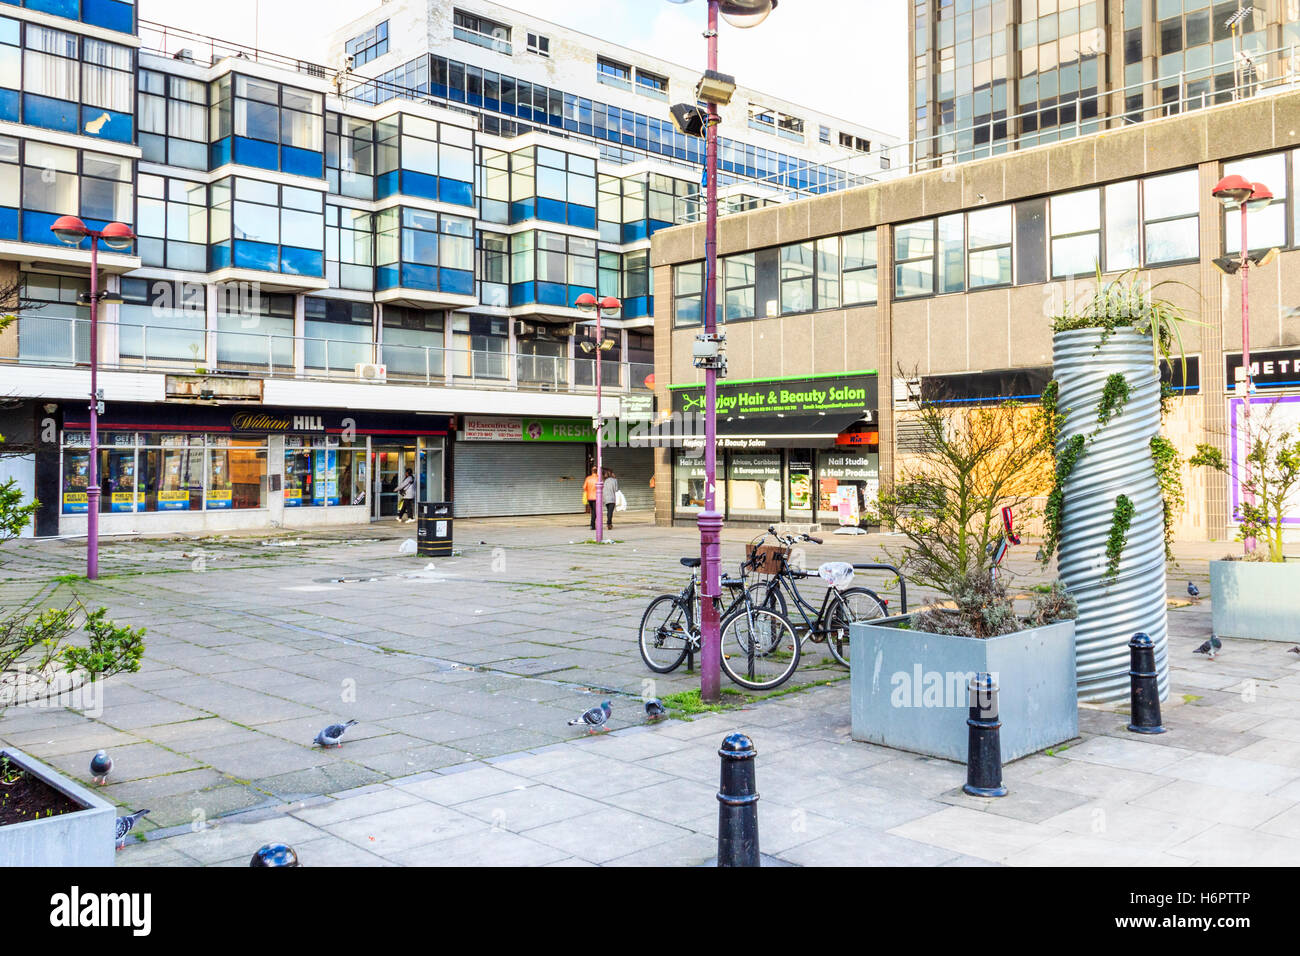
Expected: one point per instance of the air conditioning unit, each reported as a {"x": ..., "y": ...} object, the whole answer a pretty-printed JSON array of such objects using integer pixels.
[
  {"x": 185, "y": 56},
  {"x": 372, "y": 372}
]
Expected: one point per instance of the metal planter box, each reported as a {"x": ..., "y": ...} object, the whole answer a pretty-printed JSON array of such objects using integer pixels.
[
  {"x": 909, "y": 688},
  {"x": 1255, "y": 600},
  {"x": 83, "y": 838}
]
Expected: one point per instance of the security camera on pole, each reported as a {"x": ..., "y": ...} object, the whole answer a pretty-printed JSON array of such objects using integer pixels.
[
  {"x": 715, "y": 89},
  {"x": 607, "y": 306}
]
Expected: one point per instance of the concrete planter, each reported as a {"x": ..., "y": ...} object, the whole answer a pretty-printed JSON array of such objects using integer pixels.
[
  {"x": 83, "y": 838},
  {"x": 909, "y": 688},
  {"x": 1255, "y": 600}
]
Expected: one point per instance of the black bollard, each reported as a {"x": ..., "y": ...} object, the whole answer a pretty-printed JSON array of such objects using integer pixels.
[
  {"x": 984, "y": 752},
  {"x": 1144, "y": 692},
  {"x": 274, "y": 854},
  {"x": 738, "y": 803}
]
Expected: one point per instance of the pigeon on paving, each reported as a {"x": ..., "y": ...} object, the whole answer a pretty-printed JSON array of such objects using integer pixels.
[
  {"x": 126, "y": 824},
  {"x": 1294, "y": 650},
  {"x": 654, "y": 708},
  {"x": 100, "y": 766},
  {"x": 594, "y": 718},
  {"x": 1210, "y": 648},
  {"x": 332, "y": 734},
  {"x": 1193, "y": 591}
]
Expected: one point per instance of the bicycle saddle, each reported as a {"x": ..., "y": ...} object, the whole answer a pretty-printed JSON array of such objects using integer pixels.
[
  {"x": 690, "y": 562},
  {"x": 837, "y": 574}
]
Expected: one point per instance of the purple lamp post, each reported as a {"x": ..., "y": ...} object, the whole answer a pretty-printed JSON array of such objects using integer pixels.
[
  {"x": 1237, "y": 192},
  {"x": 606, "y": 306},
  {"x": 118, "y": 237},
  {"x": 715, "y": 89}
]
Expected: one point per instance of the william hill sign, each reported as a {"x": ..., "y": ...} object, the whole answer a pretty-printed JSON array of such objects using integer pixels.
[
  {"x": 272, "y": 424},
  {"x": 806, "y": 396}
]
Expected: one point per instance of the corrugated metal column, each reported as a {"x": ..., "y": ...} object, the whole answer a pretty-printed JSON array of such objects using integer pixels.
[{"x": 1213, "y": 386}]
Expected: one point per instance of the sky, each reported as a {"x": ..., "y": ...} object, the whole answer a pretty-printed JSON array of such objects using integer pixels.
[{"x": 845, "y": 57}]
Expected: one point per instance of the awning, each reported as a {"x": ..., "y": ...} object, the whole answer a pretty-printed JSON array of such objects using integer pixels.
[{"x": 787, "y": 431}]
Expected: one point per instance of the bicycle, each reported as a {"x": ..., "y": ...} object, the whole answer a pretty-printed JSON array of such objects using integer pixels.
[
  {"x": 841, "y": 605},
  {"x": 764, "y": 648}
]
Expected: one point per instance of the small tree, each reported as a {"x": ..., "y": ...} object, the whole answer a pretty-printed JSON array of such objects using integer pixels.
[{"x": 1274, "y": 462}]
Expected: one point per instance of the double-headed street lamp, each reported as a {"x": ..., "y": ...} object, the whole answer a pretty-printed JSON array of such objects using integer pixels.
[
  {"x": 715, "y": 89},
  {"x": 117, "y": 237},
  {"x": 607, "y": 306},
  {"x": 1237, "y": 192}
]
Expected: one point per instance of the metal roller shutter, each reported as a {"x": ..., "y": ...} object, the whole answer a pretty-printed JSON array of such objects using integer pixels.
[
  {"x": 634, "y": 468},
  {"x": 518, "y": 478}
]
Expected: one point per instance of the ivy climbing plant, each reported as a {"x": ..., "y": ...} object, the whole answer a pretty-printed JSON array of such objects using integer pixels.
[{"x": 1120, "y": 521}]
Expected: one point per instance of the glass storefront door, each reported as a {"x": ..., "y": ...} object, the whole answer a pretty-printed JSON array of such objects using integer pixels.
[
  {"x": 388, "y": 467},
  {"x": 430, "y": 472}
]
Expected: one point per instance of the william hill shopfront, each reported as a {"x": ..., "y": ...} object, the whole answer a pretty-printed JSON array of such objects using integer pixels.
[{"x": 798, "y": 450}]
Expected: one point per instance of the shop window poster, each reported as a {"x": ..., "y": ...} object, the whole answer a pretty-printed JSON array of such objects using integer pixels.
[
  {"x": 325, "y": 480},
  {"x": 219, "y": 495},
  {"x": 75, "y": 499},
  {"x": 800, "y": 488}
]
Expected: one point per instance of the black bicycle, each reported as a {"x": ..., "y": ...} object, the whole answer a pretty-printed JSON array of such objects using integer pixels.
[
  {"x": 760, "y": 649},
  {"x": 841, "y": 605}
]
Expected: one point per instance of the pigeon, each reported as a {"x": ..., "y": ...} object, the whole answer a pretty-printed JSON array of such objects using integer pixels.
[
  {"x": 126, "y": 824},
  {"x": 332, "y": 734},
  {"x": 1210, "y": 648},
  {"x": 594, "y": 718},
  {"x": 654, "y": 708},
  {"x": 1193, "y": 591},
  {"x": 1294, "y": 650},
  {"x": 101, "y": 765},
  {"x": 1040, "y": 556}
]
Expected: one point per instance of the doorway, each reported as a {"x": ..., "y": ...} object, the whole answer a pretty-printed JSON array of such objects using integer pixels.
[{"x": 388, "y": 464}]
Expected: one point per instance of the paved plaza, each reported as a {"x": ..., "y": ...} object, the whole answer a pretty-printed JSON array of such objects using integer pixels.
[{"x": 464, "y": 671}]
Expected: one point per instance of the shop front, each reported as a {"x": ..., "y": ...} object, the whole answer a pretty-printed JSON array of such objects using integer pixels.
[
  {"x": 201, "y": 468},
  {"x": 799, "y": 450}
]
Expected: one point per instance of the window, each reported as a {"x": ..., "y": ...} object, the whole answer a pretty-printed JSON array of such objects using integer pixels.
[
  {"x": 107, "y": 77},
  {"x": 613, "y": 73},
  {"x": 173, "y": 223},
  {"x": 318, "y": 472},
  {"x": 172, "y": 115},
  {"x": 267, "y": 115},
  {"x": 858, "y": 259},
  {"x": 162, "y": 320},
  {"x": 413, "y": 342},
  {"x": 1123, "y": 236},
  {"x": 50, "y": 63},
  {"x": 349, "y": 248},
  {"x": 688, "y": 294},
  {"x": 1170, "y": 205},
  {"x": 989, "y": 246},
  {"x": 652, "y": 84},
  {"x": 255, "y": 329},
  {"x": 739, "y": 285},
  {"x": 824, "y": 135},
  {"x": 480, "y": 344},
  {"x": 369, "y": 45},
  {"x": 1267, "y": 226},
  {"x": 914, "y": 245},
  {"x": 1075, "y": 220},
  {"x": 481, "y": 32},
  {"x": 339, "y": 334},
  {"x": 350, "y": 156},
  {"x": 258, "y": 225},
  {"x": 541, "y": 45},
  {"x": 846, "y": 140}
]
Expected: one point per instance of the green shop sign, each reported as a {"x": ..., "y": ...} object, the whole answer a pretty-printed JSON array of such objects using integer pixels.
[
  {"x": 855, "y": 391},
  {"x": 475, "y": 428}
]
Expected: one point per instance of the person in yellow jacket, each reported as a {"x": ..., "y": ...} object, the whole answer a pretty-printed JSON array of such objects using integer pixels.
[{"x": 589, "y": 495}]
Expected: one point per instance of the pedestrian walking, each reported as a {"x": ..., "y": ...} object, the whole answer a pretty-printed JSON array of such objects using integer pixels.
[
  {"x": 589, "y": 495},
  {"x": 406, "y": 491},
  {"x": 610, "y": 494}
]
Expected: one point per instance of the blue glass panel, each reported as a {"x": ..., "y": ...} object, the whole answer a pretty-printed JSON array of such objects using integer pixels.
[
  {"x": 302, "y": 262},
  {"x": 551, "y": 210},
  {"x": 419, "y": 184},
  {"x": 552, "y": 293},
  {"x": 523, "y": 210},
  {"x": 254, "y": 152},
  {"x": 60, "y": 8},
  {"x": 633, "y": 231},
  {"x": 112, "y": 14},
  {"x": 302, "y": 162},
  {"x": 108, "y": 124},
  {"x": 457, "y": 281},
  {"x": 455, "y": 191},
  {"x": 9, "y": 105},
  {"x": 8, "y": 223},
  {"x": 386, "y": 184},
  {"x": 656, "y": 225},
  {"x": 419, "y": 277},
  {"x": 49, "y": 113},
  {"x": 523, "y": 293},
  {"x": 636, "y": 307},
  {"x": 219, "y": 153},
  {"x": 264, "y": 256},
  {"x": 220, "y": 256},
  {"x": 386, "y": 277},
  {"x": 36, "y": 227},
  {"x": 584, "y": 217},
  {"x": 493, "y": 105}
]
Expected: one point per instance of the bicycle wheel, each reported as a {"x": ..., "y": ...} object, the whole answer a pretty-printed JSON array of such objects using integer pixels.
[
  {"x": 767, "y": 594},
  {"x": 847, "y": 606},
  {"x": 665, "y": 634},
  {"x": 760, "y": 649}
]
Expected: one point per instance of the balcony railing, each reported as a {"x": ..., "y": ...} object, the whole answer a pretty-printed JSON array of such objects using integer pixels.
[
  {"x": 485, "y": 40},
  {"x": 65, "y": 342}
]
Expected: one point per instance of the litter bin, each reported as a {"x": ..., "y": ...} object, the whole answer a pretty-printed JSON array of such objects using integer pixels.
[{"x": 433, "y": 529}]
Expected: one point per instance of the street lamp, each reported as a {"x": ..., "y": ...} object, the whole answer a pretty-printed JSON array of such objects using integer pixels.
[
  {"x": 715, "y": 90},
  {"x": 606, "y": 306},
  {"x": 117, "y": 237},
  {"x": 1237, "y": 192}
]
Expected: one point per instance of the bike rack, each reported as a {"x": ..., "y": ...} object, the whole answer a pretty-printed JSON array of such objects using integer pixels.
[{"x": 902, "y": 582}]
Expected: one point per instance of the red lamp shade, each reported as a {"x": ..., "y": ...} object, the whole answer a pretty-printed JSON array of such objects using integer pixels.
[
  {"x": 117, "y": 236},
  {"x": 650, "y": 380},
  {"x": 70, "y": 229},
  {"x": 586, "y": 302},
  {"x": 610, "y": 304},
  {"x": 1260, "y": 196},
  {"x": 1232, "y": 190}
]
